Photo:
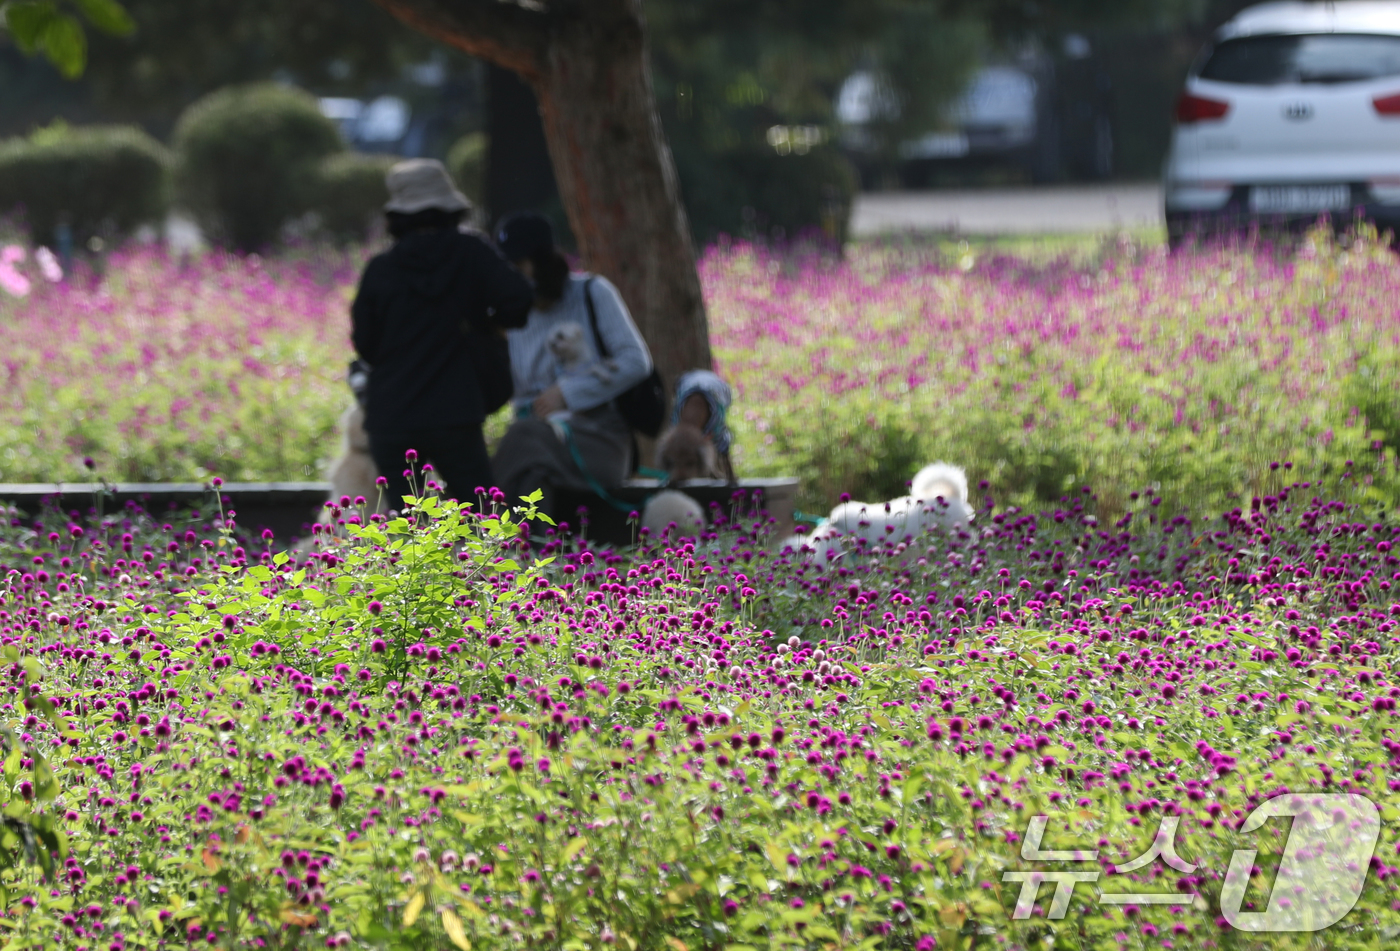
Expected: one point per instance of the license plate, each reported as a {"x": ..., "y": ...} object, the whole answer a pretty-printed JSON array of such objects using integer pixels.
[{"x": 1299, "y": 198}]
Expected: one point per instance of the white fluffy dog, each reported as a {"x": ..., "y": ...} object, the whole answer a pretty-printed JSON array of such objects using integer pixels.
[
  {"x": 353, "y": 472},
  {"x": 565, "y": 343},
  {"x": 669, "y": 506},
  {"x": 939, "y": 500}
]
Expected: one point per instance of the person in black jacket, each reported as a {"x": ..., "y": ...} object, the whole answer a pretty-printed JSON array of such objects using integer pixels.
[{"x": 421, "y": 308}]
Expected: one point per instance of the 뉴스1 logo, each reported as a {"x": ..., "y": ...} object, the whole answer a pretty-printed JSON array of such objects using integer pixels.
[{"x": 1320, "y": 875}]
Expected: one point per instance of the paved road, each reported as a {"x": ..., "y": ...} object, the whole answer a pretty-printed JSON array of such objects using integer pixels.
[{"x": 1052, "y": 209}]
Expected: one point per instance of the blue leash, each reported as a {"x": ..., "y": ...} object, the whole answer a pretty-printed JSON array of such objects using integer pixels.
[{"x": 593, "y": 483}]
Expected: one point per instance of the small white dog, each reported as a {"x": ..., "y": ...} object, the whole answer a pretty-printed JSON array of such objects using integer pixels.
[
  {"x": 670, "y": 506},
  {"x": 565, "y": 343},
  {"x": 939, "y": 500}
]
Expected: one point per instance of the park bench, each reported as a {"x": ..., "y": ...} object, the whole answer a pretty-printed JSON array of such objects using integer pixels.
[
  {"x": 289, "y": 508},
  {"x": 608, "y": 523}
]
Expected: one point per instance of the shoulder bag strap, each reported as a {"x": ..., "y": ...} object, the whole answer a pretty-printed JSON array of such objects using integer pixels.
[{"x": 593, "y": 319}]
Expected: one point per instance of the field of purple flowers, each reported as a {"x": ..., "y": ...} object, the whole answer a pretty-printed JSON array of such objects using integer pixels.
[
  {"x": 433, "y": 734},
  {"x": 165, "y": 370},
  {"x": 443, "y": 731},
  {"x": 1121, "y": 368}
]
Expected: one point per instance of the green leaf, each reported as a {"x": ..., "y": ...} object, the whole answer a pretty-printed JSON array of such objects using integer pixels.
[
  {"x": 27, "y": 20},
  {"x": 66, "y": 45},
  {"x": 12, "y": 765},
  {"x": 573, "y": 849},
  {"x": 45, "y": 782}
]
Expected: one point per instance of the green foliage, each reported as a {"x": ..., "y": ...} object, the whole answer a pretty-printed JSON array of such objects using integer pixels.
[
  {"x": 761, "y": 193},
  {"x": 746, "y": 93},
  {"x": 466, "y": 163},
  {"x": 182, "y": 50},
  {"x": 1371, "y": 391},
  {"x": 920, "y": 61},
  {"x": 965, "y": 359},
  {"x": 42, "y": 26},
  {"x": 247, "y": 160},
  {"x": 350, "y": 193},
  {"x": 96, "y": 178}
]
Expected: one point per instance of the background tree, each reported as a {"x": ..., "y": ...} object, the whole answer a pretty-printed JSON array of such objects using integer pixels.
[
  {"x": 587, "y": 64},
  {"x": 738, "y": 67},
  {"x": 182, "y": 51},
  {"x": 747, "y": 89},
  {"x": 729, "y": 75}
]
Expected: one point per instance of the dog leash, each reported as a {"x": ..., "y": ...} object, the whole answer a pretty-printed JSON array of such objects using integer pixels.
[{"x": 593, "y": 483}]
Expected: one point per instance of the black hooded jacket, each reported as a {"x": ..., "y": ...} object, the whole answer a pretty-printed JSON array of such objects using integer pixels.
[{"x": 414, "y": 320}]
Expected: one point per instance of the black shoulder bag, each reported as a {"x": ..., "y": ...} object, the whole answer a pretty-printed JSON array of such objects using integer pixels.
[{"x": 643, "y": 405}]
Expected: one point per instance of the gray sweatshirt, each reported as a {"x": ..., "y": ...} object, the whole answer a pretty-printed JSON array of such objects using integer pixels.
[{"x": 535, "y": 369}]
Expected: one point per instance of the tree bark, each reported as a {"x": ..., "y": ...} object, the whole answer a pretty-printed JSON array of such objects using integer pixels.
[{"x": 587, "y": 62}]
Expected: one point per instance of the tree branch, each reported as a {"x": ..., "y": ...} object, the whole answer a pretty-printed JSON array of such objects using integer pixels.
[{"x": 510, "y": 33}]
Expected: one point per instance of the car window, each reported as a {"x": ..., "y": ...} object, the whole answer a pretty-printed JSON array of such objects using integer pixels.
[{"x": 1312, "y": 58}]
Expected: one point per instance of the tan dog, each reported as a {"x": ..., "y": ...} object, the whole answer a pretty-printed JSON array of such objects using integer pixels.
[
  {"x": 353, "y": 472},
  {"x": 685, "y": 452}
]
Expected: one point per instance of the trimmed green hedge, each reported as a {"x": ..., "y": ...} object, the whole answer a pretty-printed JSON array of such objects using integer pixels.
[
  {"x": 99, "y": 179},
  {"x": 249, "y": 158},
  {"x": 351, "y": 193}
]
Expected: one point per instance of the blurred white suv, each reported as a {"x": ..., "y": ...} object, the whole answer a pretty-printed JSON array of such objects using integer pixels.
[{"x": 1292, "y": 112}]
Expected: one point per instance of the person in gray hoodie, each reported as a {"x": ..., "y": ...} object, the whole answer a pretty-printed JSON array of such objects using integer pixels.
[
  {"x": 421, "y": 310},
  {"x": 577, "y": 353}
]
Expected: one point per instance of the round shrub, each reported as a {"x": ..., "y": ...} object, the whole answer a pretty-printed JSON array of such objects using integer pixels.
[
  {"x": 350, "y": 193},
  {"x": 466, "y": 163},
  {"x": 97, "y": 179},
  {"x": 247, "y": 160}
]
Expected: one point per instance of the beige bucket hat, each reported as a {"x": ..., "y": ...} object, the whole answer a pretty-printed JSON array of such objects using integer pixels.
[{"x": 419, "y": 184}]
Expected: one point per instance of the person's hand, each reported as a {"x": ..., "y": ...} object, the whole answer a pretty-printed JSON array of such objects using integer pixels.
[{"x": 550, "y": 401}]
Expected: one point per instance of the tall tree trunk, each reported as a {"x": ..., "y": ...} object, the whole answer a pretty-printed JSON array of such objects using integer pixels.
[{"x": 587, "y": 62}]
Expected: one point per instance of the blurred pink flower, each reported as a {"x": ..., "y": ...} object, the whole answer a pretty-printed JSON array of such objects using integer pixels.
[
  {"x": 48, "y": 265},
  {"x": 10, "y": 278}
]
